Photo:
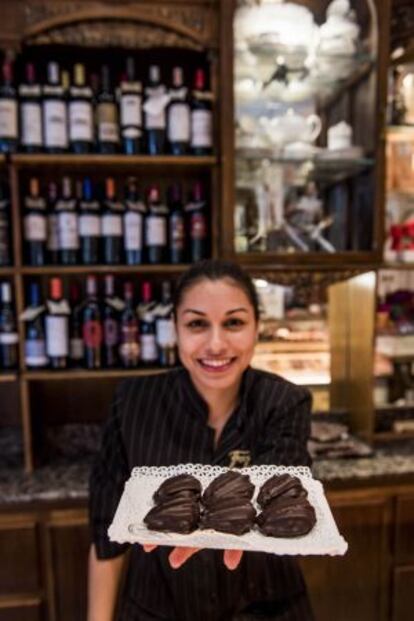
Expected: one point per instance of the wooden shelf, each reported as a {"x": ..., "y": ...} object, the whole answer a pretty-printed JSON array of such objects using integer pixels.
[
  {"x": 7, "y": 377},
  {"x": 102, "y": 269},
  {"x": 92, "y": 160},
  {"x": 76, "y": 374},
  {"x": 7, "y": 271},
  {"x": 387, "y": 436}
]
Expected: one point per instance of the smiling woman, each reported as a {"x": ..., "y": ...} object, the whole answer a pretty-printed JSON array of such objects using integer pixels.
[{"x": 211, "y": 411}]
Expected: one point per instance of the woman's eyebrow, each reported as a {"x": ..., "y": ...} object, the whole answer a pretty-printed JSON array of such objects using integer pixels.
[
  {"x": 237, "y": 310},
  {"x": 193, "y": 310}
]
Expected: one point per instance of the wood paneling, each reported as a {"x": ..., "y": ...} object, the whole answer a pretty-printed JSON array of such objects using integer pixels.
[
  {"x": 19, "y": 566},
  {"x": 403, "y": 593},
  {"x": 22, "y": 613},
  {"x": 404, "y": 531}
]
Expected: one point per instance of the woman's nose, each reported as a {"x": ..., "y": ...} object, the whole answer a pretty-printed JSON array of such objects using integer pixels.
[{"x": 217, "y": 342}]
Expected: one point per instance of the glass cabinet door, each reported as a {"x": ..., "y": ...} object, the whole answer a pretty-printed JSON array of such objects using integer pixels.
[{"x": 306, "y": 127}]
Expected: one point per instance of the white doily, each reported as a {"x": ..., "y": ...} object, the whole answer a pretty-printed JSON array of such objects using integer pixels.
[{"x": 136, "y": 501}]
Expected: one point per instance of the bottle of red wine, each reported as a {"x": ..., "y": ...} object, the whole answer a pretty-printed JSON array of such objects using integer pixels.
[
  {"x": 5, "y": 238},
  {"x": 196, "y": 211},
  {"x": 130, "y": 94},
  {"x": 178, "y": 115},
  {"x": 35, "y": 340},
  {"x": 35, "y": 225},
  {"x": 166, "y": 336},
  {"x": 135, "y": 211},
  {"x": 89, "y": 225},
  {"x": 155, "y": 113},
  {"x": 76, "y": 345},
  {"x": 54, "y": 112},
  {"x": 67, "y": 225},
  {"x": 52, "y": 224},
  {"x": 57, "y": 326},
  {"x": 110, "y": 325},
  {"x": 92, "y": 326},
  {"x": 129, "y": 343},
  {"x": 176, "y": 225},
  {"x": 31, "y": 132},
  {"x": 112, "y": 216},
  {"x": 148, "y": 345},
  {"x": 8, "y": 332},
  {"x": 201, "y": 116},
  {"x": 107, "y": 115},
  {"x": 9, "y": 131},
  {"x": 81, "y": 126},
  {"x": 156, "y": 227}
]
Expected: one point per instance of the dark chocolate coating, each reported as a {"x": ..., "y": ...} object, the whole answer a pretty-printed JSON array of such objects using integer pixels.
[
  {"x": 278, "y": 486},
  {"x": 178, "y": 515},
  {"x": 230, "y": 484},
  {"x": 287, "y": 517},
  {"x": 232, "y": 515},
  {"x": 184, "y": 485}
]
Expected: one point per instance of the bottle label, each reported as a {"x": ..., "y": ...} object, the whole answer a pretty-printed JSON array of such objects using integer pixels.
[
  {"x": 76, "y": 349},
  {"x": 80, "y": 121},
  {"x": 131, "y": 110},
  {"x": 35, "y": 227},
  {"x": 165, "y": 333},
  {"x": 179, "y": 126},
  {"x": 156, "y": 230},
  {"x": 31, "y": 115},
  {"x": 92, "y": 334},
  {"x": 52, "y": 232},
  {"x": 129, "y": 349},
  {"x": 55, "y": 124},
  {"x": 198, "y": 226},
  {"x": 201, "y": 129},
  {"x": 111, "y": 335},
  {"x": 111, "y": 225},
  {"x": 149, "y": 351},
  {"x": 56, "y": 336},
  {"x": 35, "y": 353},
  {"x": 89, "y": 225},
  {"x": 107, "y": 123},
  {"x": 8, "y": 118},
  {"x": 133, "y": 231},
  {"x": 68, "y": 231},
  {"x": 9, "y": 338},
  {"x": 177, "y": 232},
  {"x": 154, "y": 106}
]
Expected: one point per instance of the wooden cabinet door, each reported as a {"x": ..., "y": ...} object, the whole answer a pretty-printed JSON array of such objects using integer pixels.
[
  {"x": 353, "y": 587},
  {"x": 19, "y": 566},
  {"x": 22, "y": 613},
  {"x": 402, "y": 609},
  {"x": 404, "y": 530}
]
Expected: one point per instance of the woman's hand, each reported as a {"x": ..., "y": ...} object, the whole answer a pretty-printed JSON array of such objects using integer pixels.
[{"x": 179, "y": 556}]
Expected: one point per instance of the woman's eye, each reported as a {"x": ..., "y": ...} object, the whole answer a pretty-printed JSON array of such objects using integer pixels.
[
  {"x": 234, "y": 322},
  {"x": 195, "y": 324}
]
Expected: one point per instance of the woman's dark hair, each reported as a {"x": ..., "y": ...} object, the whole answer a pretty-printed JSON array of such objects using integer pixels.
[{"x": 216, "y": 269}]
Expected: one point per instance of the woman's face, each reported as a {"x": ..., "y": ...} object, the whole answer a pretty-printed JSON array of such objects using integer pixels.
[{"x": 217, "y": 333}]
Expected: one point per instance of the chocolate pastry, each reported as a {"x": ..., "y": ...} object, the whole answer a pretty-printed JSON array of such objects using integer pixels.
[
  {"x": 288, "y": 517},
  {"x": 280, "y": 486},
  {"x": 233, "y": 515},
  {"x": 230, "y": 484},
  {"x": 178, "y": 515},
  {"x": 184, "y": 485}
]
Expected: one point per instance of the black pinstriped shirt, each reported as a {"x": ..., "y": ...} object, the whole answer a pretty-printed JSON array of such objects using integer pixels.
[{"x": 161, "y": 420}]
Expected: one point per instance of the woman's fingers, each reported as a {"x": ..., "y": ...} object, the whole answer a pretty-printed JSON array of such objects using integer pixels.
[
  {"x": 180, "y": 555},
  {"x": 149, "y": 547},
  {"x": 232, "y": 558}
]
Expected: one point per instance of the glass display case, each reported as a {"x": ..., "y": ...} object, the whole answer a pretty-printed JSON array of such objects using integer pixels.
[{"x": 306, "y": 138}]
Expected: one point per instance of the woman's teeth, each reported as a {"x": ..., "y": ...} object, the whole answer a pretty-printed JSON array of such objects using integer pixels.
[{"x": 216, "y": 364}]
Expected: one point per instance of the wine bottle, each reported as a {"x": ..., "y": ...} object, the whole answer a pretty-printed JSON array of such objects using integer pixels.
[
  {"x": 196, "y": 211},
  {"x": 176, "y": 225},
  {"x": 110, "y": 326},
  {"x": 133, "y": 224},
  {"x": 107, "y": 116},
  {"x": 156, "y": 227},
  {"x": 165, "y": 331},
  {"x": 5, "y": 240},
  {"x": 155, "y": 113},
  {"x": 76, "y": 345},
  {"x": 146, "y": 314},
  {"x": 80, "y": 113},
  {"x": 52, "y": 224},
  {"x": 89, "y": 225},
  {"x": 130, "y": 94},
  {"x": 201, "y": 116},
  {"x": 57, "y": 326},
  {"x": 92, "y": 326},
  {"x": 35, "y": 225},
  {"x": 35, "y": 339},
  {"x": 112, "y": 226},
  {"x": 8, "y": 333},
  {"x": 178, "y": 115},
  {"x": 67, "y": 225},
  {"x": 9, "y": 132},
  {"x": 54, "y": 112},
  {"x": 129, "y": 343},
  {"x": 31, "y": 132}
]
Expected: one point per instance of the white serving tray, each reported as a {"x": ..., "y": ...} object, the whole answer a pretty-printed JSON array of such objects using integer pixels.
[{"x": 136, "y": 501}]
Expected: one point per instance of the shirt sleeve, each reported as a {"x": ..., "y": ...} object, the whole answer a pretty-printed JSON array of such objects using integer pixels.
[
  {"x": 108, "y": 476},
  {"x": 284, "y": 438}
]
